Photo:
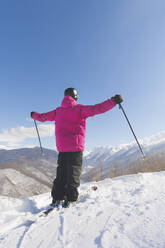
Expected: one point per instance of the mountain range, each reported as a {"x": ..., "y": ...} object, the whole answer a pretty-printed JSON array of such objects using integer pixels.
[
  {"x": 25, "y": 172},
  {"x": 125, "y": 154}
]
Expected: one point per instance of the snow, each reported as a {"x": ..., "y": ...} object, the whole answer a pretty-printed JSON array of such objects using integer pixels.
[{"x": 124, "y": 212}]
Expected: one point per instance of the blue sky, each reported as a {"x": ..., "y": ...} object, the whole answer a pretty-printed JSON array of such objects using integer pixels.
[{"x": 99, "y": 47}]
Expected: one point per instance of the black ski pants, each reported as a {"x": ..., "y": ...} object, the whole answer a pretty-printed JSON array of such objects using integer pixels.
[{"x": 67, "y": 176}]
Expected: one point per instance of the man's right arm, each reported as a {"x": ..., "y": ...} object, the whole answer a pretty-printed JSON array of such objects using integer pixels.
[{"x": 91, "y": 110}]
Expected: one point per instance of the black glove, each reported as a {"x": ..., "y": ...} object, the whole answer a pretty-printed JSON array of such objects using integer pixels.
[
  {"x": 32, "y": 114},
  {"x": 118, "y": 99}
]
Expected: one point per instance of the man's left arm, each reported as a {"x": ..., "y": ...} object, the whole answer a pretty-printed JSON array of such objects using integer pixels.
[{"x": 49, "y": 116}]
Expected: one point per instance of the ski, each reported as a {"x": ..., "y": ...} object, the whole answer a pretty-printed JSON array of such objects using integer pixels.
[
  {"x": 47, "y": 211},
  {"x": 53, "y": 206},
  {"x": 63, "y": 204}
]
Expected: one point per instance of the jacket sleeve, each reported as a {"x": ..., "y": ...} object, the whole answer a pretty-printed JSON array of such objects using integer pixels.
[
  {"x": 49, "y": 116},
  {"x": 91, "y": 110}
]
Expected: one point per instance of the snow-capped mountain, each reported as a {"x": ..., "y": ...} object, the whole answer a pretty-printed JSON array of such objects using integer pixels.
[{"x": 124, "y": 153}]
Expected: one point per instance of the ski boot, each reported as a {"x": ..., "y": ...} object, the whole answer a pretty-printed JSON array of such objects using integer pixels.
[
  {"x": 55, "y": 204},
  {"x": 66, "y": 204}
]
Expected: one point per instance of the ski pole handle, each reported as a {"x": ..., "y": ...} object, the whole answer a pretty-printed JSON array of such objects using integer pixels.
[
  {"x": 38, "y": 137},
  {"x": 121, "y": 107}
]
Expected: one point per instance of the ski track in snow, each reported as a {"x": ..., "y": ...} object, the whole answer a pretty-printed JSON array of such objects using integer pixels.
[{"x": 125, "y": 212}]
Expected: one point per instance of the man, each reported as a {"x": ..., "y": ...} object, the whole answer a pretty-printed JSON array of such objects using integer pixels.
[{"x": 70, "y": 124}]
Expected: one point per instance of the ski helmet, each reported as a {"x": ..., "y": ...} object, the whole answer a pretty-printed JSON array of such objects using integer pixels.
[{"x": 71, "y": 92}]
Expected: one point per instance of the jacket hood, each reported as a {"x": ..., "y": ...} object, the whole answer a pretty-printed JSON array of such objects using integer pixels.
[{"x": 68, "y": 101}]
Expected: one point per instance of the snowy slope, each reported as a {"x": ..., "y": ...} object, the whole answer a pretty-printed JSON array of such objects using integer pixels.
[{"x": 125, "y": 212}]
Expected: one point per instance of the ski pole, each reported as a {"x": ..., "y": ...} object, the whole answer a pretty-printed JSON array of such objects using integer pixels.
[
  {"x": 38, "y": 137},
  {"x": 121, "y": 107}
]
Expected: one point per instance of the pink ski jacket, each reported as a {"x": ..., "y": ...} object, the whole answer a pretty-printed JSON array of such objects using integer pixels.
[{"x": 70, "y": 122}]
